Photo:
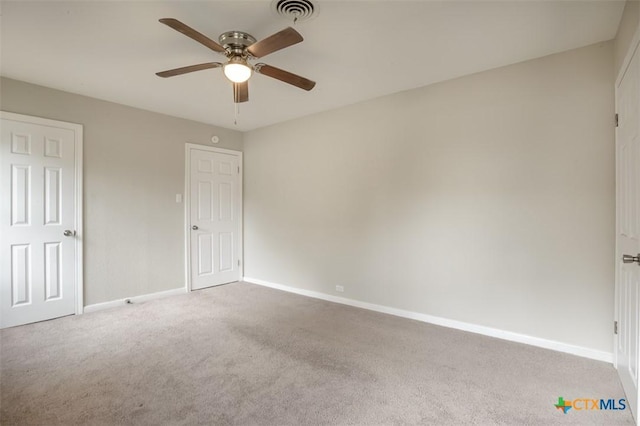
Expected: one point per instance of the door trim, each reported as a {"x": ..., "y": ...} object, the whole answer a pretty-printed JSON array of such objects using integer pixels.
[
  {"x": 187, "y": 207},
  {"x": 633, "y": 49},
  {"x": 632, "y": 52},
  {"x": 77, "y": 129}
]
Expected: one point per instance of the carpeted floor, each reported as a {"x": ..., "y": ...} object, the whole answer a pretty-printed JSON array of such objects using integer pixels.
[{"x": 244, "y": 354}]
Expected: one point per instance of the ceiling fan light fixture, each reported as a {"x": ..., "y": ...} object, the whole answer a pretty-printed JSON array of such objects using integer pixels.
[{"x": 237, "y": 70}]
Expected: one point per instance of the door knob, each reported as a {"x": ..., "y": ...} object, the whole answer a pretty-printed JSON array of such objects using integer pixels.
[
  {"x": 68, "y": 233},
  {"x": 194, "y": 227},
  {"x": 627, "y": 258}
]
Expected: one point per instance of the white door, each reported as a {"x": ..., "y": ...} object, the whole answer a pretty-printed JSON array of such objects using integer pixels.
[
  {"x": 214, "y": 216},
  {"x": 38, "y": 187},
  {"x": 628, "y": 230}
]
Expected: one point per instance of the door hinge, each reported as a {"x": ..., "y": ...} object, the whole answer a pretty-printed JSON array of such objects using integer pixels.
[
  {"x": 617, "y": 120},
  {"x": 238, "y": 169},
  {"x": 615, "y": 327},
  {"x": 238, "y": 262}
]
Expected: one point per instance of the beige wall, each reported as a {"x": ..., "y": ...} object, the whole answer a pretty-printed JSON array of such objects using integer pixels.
[
  {"x": 487, "y": 199},
  {"x": 133, "y": 169},
  {"x": 629, "y": 24}
]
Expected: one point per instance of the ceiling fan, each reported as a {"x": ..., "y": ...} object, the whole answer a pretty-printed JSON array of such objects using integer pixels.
[{"x": 240, "y": 47}]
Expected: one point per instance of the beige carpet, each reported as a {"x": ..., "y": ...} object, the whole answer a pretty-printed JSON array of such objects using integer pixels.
[{"x": 244, "y": 354}]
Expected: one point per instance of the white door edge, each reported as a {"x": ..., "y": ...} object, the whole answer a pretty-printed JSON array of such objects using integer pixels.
[
  {"x": 634, "y": 49},
  {"x": 187, "y": 207},
  {"x": 78, "y": 203},
  {"x": 633, "y": 46}
]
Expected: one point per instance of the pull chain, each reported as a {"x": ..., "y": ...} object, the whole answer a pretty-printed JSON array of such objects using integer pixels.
[{"x": 236, "y": 112}]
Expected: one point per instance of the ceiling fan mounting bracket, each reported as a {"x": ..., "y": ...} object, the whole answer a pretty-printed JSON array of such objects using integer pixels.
[{"x": 236, "y": 42}]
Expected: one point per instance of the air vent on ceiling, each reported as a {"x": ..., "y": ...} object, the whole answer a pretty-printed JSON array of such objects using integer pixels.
[{"x": 295, "y": 10}]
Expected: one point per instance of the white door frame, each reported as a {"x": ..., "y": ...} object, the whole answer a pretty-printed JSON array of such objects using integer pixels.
[
  {"x": 77, "y": 129},
  {"x": 635, "y": 44},
  {"x": 634, "y": 48},
  {"x": 187, "y": 206}
]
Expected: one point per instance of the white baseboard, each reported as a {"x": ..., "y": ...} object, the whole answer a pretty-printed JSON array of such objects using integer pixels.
[
  {"x": 459, "y": 325},
  {"x": 135, "y": 299}
]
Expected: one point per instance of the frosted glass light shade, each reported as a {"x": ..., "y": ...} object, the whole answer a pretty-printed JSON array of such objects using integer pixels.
[{"x": 237, "y": 72}]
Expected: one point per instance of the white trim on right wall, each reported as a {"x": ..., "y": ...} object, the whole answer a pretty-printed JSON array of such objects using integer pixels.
[{"x": 445, "y": 322}]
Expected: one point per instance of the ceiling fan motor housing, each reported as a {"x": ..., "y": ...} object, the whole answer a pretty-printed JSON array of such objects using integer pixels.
[{"x": 235, "y": 42}]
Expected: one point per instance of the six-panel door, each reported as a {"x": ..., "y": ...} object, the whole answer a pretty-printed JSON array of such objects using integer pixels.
[
  {"x": 214, "y": 218},
  {"x": 37, "y": 261}
]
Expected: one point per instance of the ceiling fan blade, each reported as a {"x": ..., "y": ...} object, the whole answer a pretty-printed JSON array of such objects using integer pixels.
[
  {"x": 191, "y": 33},
  {"x": 241, "y": 92},
  {"x": 190, "y": 68},
  {"x": 284, "y": 76},
  {"x": 280, "y": 40}
]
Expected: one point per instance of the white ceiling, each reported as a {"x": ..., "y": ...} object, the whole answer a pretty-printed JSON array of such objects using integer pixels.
[{"x": 354, "y": 50}]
